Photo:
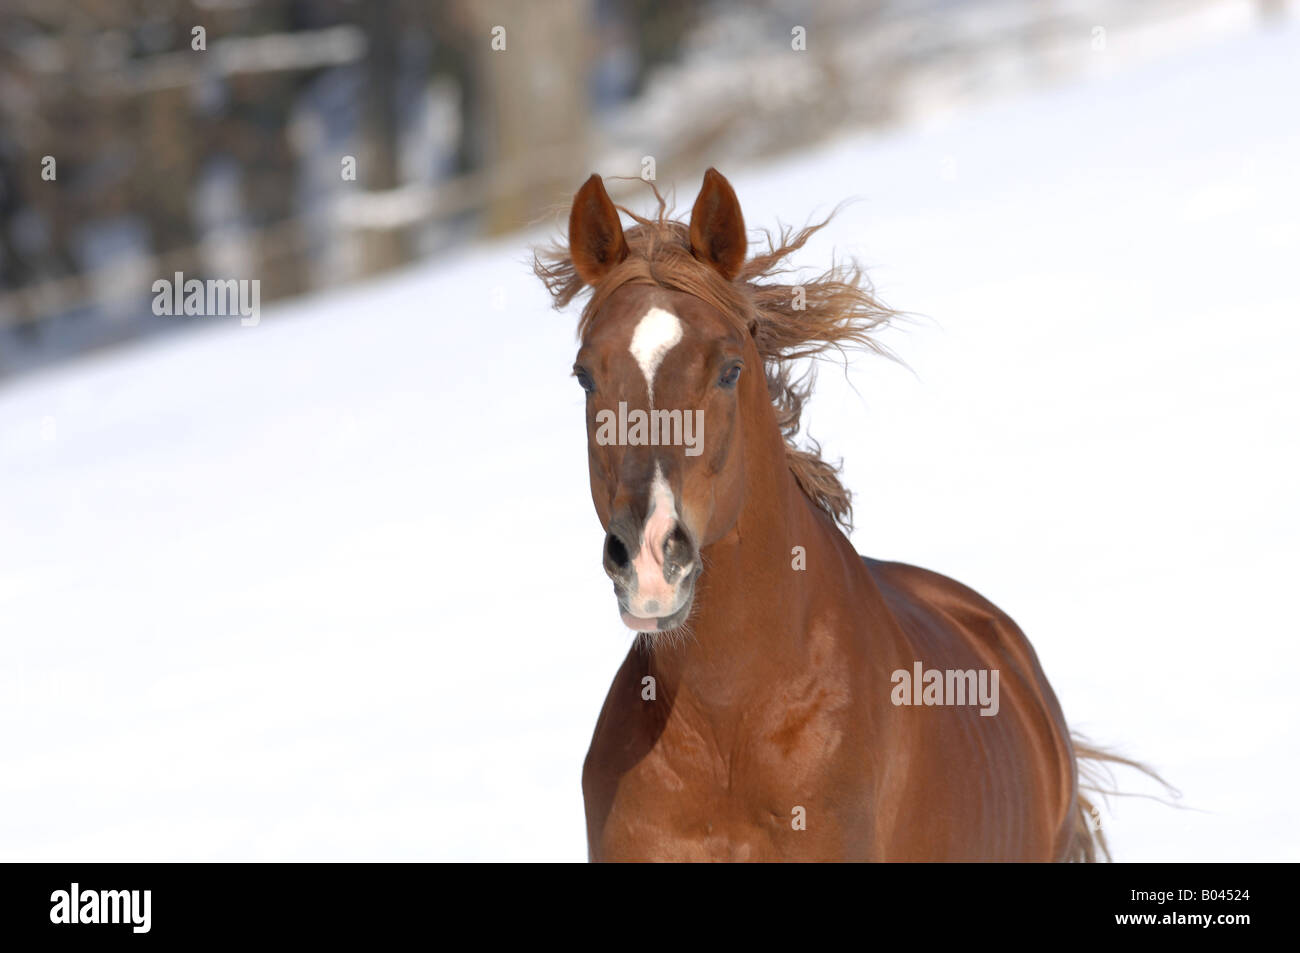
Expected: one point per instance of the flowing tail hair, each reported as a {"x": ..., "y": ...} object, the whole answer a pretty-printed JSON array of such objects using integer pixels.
[{"x": 1096, "y": 778}]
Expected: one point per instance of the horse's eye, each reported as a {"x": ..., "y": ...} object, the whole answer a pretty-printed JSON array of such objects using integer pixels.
[
  {"x": 584, "y": 379},
  {"x": 730, "y": 375}
]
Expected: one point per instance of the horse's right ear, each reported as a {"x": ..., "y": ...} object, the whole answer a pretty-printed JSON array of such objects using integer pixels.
[{"x": 596, "y": 242}]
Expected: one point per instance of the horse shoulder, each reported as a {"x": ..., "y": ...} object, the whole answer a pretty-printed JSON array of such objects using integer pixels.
[{"x": 950, "y": 625}]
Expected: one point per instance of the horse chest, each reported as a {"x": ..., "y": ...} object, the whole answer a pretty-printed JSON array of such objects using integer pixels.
[{"x": 688, "y": 800}]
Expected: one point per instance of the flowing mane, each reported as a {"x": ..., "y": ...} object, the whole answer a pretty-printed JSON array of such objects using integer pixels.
[{"x": 789, "y": 322}]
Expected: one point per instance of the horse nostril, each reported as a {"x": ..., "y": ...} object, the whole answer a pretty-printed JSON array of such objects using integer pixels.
[
  {"x": 679, "y": 554},
  {"x": 616, "y": 553}
]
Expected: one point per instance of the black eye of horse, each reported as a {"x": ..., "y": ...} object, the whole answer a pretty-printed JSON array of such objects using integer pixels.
[
  {"x": 730, "y": 376},
  {"x": 584, "y": 379}
]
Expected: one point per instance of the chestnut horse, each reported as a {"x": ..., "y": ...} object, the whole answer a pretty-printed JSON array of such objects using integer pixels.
[{"x": 782, "y": 701}]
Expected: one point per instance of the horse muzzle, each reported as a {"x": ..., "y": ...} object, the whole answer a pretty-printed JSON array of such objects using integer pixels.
[{"x": 654, "y": 573}]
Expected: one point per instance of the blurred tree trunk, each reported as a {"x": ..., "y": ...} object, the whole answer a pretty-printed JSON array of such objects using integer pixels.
[
  {"x": 530, "y": 103},
  {"x": 382, "y": 248}
]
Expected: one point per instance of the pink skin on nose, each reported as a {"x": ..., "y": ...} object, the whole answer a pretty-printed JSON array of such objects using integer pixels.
[{"x": 651, "y": 587}]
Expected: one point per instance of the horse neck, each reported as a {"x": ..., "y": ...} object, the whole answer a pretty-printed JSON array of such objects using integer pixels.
[{"x": 752, "y": 612}]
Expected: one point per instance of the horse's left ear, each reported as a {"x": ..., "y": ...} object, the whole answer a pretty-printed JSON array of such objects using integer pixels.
[{"x": 717, "y": 227}]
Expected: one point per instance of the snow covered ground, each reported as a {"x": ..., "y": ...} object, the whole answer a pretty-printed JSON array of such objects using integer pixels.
[{"x": 251, "y": 593}]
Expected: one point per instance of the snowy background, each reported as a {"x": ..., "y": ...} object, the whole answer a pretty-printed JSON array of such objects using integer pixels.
[{"x": 251, "y": 601}]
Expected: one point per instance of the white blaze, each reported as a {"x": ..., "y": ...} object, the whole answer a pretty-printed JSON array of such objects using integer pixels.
[
  {"x": 648, "y": 563},
  {"x": 656, "y": 334}
]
